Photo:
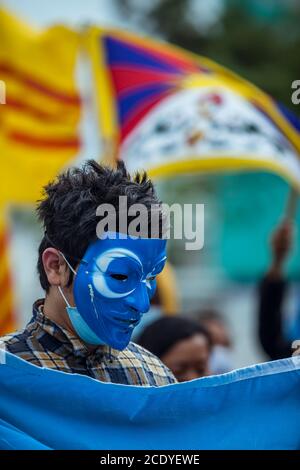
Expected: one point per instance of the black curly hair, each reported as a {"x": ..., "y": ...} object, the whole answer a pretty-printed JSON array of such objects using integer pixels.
[{"x": 68, "y": 207}]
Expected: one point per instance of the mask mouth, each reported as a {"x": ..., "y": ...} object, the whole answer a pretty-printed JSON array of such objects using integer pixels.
[{"x": 130, "y": 322}]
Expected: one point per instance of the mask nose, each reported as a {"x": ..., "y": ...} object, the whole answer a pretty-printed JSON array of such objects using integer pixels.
[{"x": 139, "y": 300}]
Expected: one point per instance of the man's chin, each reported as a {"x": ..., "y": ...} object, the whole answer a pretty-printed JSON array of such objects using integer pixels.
[{"x": 120, "y": 341}]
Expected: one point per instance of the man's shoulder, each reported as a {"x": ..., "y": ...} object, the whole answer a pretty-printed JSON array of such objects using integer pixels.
[
  {"x": 141, "y": 352},
  {"x": 9, "y": 339},
  {"x": 148, "y": 360},
  {"x": 16, "y": 343}
]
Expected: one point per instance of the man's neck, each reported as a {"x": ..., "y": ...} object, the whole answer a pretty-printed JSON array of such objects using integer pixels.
[{"x": 55, "y": 310}]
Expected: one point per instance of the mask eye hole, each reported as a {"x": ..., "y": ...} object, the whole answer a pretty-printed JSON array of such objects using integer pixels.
[
  {"x": 151, "y": 278},
  {"x": 119, "y": 277}
]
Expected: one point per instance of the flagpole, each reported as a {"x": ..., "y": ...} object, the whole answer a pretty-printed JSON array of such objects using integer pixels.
[{"x": 291, "y": 205}]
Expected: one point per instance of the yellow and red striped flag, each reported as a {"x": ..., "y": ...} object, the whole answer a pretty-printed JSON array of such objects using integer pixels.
[{"x": 38, "y": 123}]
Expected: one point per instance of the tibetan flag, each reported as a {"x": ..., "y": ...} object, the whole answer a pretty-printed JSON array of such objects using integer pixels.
[
  {"x": 257, "y": 407},
  {"x": 170, "y": 111}
]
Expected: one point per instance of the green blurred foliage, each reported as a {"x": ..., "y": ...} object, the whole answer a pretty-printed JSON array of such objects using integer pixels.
[{"x": 260, "y": 40}]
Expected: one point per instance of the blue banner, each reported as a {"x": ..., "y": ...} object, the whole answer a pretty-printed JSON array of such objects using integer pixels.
[{"x": 257, "y": 407}]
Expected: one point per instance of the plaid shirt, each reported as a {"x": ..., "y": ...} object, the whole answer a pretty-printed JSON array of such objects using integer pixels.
[{"x": 46, "y": 344}]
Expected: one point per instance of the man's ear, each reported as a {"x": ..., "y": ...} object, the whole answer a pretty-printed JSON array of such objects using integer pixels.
[{"x": 55, "y": 267}]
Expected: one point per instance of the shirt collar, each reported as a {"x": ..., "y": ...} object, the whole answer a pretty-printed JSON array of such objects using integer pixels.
[{"x": 70, "y": 341}]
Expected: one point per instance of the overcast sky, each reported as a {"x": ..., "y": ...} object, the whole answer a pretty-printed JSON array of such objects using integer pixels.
[
  {"x": 44, "y": 12},
  {"x": 202, "y": 13}
]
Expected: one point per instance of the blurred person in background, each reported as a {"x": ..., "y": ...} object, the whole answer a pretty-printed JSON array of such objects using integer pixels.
[
  {"x": 221, "y": 358},
  {"x": 181, "y": 344},
  {"x": 272, "y": 326}
]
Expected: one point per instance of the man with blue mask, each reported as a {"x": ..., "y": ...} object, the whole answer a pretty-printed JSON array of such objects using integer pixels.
[{"x": 97, "y": 289}]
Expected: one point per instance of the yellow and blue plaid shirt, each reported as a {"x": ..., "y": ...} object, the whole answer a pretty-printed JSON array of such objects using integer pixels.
[{"x": 46, "y": 344}]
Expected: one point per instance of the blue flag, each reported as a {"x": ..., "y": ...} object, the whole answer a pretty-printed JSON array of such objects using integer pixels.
[{"x": 257, "y": 407}]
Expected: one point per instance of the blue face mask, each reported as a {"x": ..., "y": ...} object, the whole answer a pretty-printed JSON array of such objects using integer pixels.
[{"x": 113, "y": 286}]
